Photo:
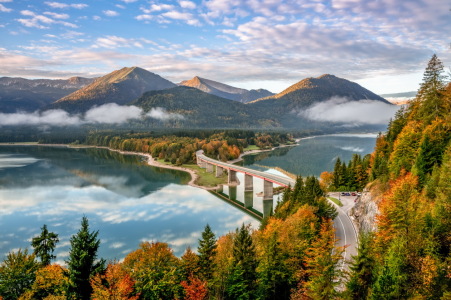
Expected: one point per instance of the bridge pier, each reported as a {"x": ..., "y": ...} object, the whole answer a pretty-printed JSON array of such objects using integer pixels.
[
  {"x": 267, "y": 207},
  {"x": 248, "y": 199},
  {"x": 268, "y": 190},
  {"x": 232, "y": 192},
  {"x": 232, "y": 177},
  {"x": 248, "y": 183},
  {"x": 209, "y": 168},
  {"x": 219, "y": 171}
]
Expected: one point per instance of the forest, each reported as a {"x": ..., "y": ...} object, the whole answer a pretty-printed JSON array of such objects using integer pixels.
[
  {"x": 293, "y": 254},
  {"x": 181, "y": 148}
]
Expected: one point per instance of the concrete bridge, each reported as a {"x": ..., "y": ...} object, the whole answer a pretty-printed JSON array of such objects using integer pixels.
[{"x": 213, "y": 165}]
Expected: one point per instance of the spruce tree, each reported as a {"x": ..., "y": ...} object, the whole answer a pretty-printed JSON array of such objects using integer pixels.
[
  {"x": 207, "y": 252},
  {"x": 430, "y": 94},
  {"x": 44, "y": 245},
  {"x": 361, "y": 269},
  {"x": 82, "y": 262},
  {"x": 242, "y": 280}
]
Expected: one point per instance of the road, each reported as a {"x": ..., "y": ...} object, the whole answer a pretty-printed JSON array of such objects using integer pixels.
[{"x": 344, "y": 228}]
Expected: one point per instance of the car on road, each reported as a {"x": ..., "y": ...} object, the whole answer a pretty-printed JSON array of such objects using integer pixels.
[
  {"x": 342, "y": 193},
  {"x": 347, "y": 194},
  {"x": 353, "y": 194}
]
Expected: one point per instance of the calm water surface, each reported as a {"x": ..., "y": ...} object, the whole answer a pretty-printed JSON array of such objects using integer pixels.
[
  {"x": 126, "y": 200},
  {"x": 313, "y": 155}
]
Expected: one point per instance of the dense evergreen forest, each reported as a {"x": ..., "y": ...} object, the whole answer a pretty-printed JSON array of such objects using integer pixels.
[{"x": 293, "y": 254}]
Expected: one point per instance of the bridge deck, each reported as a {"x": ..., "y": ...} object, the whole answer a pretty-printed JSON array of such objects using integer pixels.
[{"x": 280, "y": 180}]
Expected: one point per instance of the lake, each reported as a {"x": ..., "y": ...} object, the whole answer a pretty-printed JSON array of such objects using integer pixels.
[
  {"x": 313, "y": 155},
  {"x": 129, "y": 201},
  {"x": 126, "y": 200}
]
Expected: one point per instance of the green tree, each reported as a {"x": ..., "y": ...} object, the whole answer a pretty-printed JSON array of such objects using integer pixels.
[
  {"x": 44, "y": 245},
  {"x": 17, "y": 274},
  {"x": 431, "y": 91},
  {"x": 361, "y": 269},
  {"x": 273, "y": 275},
  {"x": 242, "y": 280},
  {"x": 393, "y": 279},
  {"x": 82, "y": 263},
  {"x": 207, "y": 252}
]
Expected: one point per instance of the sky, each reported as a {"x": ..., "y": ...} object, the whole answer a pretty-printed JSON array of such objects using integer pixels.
[{"x": 384, "y": 45}]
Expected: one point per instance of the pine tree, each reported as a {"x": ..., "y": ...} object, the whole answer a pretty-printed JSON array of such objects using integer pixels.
[
  {"x": 207, "y": 252},
  {"x": 242, "y": 281},
  {"x": 44, "y": 245},
  {"x": 82, "y": 262}
]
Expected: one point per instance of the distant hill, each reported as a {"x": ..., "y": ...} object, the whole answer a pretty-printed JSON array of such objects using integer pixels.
[
  {"x": 202, "y": 110},
  {"x": 20, "y": 94},
  {"x": 309, "y": 91},
  {"x": 120, "y": 86},
  {"x": 224, "y": 90}
]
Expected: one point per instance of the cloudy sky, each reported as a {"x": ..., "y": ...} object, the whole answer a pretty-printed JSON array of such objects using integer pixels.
[{"x": 382, "y": 44}]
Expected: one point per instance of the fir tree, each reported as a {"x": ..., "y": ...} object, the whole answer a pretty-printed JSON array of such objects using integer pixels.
[
  {"x": 44, "y": 245},
  {"x": 82, "y": 262},
  {"x": 207, "y": 252}
]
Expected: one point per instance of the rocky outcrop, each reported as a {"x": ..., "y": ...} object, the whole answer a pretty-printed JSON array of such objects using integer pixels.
[{"x": 366, "y": 208}]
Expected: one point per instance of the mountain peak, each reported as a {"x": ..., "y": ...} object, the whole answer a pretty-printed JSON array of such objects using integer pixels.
[
  {"x": 224, "y": 90},
  {"x": 120, "y": 86}
]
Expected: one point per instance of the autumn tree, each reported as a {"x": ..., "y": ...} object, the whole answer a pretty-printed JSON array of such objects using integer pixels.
[
  {"x": 155, "y": 270},
  {"x": 44, "y": 245},
  {"x": 322, "y": 265},
  {"x": 195, "y": 289},
  {"x": 17, "y": 274},
  {"x": 82, "y": 262},
  {"x": 114, "y": 284},
  {"x": 51, "y": 281}
]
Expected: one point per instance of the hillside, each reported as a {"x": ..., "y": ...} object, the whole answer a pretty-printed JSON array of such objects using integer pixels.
[
  {"x": 311, "y": 90},
  {"x": 224, "y": 90},
  {"x": 20, "y": 94},
  {"x": 203, "y": 110},
  {"x": 120, "y": 86},
  {"x": 408, "y": 256}
]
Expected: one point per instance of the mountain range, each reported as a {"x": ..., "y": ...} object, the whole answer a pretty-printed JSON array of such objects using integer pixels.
[
  {"x": 197, "y": 103},
  {"x": 20, "y": 94}
]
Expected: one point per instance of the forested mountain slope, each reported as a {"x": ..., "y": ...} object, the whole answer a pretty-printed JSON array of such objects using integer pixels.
[{"x": 409, "y": 255}]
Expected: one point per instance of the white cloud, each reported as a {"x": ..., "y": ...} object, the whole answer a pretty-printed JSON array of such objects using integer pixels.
[
  {"x": 5, "y": 1},
  {"x": 110, "y": 13},
  {"x": 56, "y": 15},
  {"x": 129, "y": 1},
  {"x": 342, "y": 110},
  {"x": 49, "y": 117},
  {"x": 112, "y": 114},
  {"x": 187, "y": 4},
  {"x": 5, "y": 9},
  {"x": 64, "y": 5},
  {"x": 160, "y": 113},
  {"x": 157, "y": 7},
  {"x": 113, "y": 42}
]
